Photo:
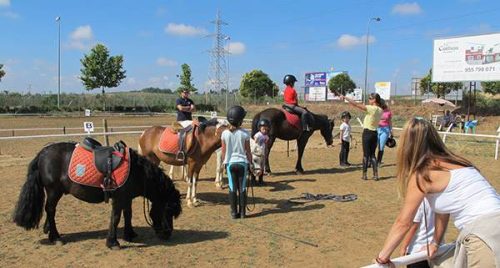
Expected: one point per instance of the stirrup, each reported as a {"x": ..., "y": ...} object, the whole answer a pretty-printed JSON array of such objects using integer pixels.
[{"x": 180, "y": 156}]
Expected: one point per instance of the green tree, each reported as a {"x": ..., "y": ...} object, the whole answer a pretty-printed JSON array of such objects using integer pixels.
[
  {"x": 99, "y": 70},
  {"x": 440, "y": 89},
  {"x": 492, "y": 87},
  {"x": 2, "y": 72},
  {"x": 342, "y": 84},
  {"x": 257, "y": 84},
  {"x": 186, "y": 79}
]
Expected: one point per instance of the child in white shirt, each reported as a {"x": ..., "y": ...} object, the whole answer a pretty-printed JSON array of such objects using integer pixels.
[
  {"x": 345, "y": 138},
  {"x": 261, "y": 139}
]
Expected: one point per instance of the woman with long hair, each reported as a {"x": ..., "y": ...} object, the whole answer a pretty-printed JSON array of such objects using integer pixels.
[
  {"x": 369, "y": 138},
  {"x": 454, "y": 187},
  {"x": 237, "y": 159}
]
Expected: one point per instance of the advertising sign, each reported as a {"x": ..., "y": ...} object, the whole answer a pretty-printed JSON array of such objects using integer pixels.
[
  {"x": 383, "y": 89},
  {"x": 88, "y": 127},
  {"x": 317, "y": 93},
  {"x": 470, "y": 58},
  {"x": 315, "y": 79}
]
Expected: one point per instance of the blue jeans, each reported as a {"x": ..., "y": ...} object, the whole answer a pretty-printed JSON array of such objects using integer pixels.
[
  {"x": 237, "y": 176},
  {"x": 383, "y": 135}
]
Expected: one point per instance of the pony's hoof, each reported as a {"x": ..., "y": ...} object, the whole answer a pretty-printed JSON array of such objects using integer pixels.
[
  {"x": 113, "y": 245},
  {"x": 299, "y": 172},
  {"x": 59, "y": 243},
  {"x": 190, "y": 204}
]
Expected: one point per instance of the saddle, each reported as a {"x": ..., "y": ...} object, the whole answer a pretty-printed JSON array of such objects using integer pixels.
[
  {"x": 106, "y": 158},
  {"x": 178, "y": 141},
  {"x": 292, "y": 118}
]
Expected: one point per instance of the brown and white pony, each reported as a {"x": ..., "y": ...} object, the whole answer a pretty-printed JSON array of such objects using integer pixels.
[{"x": 207, "y": 137}]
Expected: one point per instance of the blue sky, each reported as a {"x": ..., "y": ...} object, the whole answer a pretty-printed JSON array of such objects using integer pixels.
[{"x": 276, "y": 36}]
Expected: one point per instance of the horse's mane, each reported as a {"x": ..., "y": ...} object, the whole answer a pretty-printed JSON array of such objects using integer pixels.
[
  {"x": 159, "y": 180},
  {"x": 210, "y": 123}
]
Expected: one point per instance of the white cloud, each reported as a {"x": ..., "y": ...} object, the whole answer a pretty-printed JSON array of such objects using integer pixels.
[
  {"x": 81, "y": 38},
  {"x": 131, "y": 81},
  {"x": 347, "y": 41},
  {"x": 236, "y": 48},
  {"x": 166, "y": 62},
  {"x": 4, "y": 3},
  {"x": 407, "y": 9},
  {"x": 10, "y": 15},
  {"x": 184, "y": 30},
  {"x": 82, "y": 33}
]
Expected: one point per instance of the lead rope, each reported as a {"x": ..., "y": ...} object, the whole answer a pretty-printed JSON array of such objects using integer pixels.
[
  {"x": 249, "y": 179},
  {"x": 145, "y": 203}
]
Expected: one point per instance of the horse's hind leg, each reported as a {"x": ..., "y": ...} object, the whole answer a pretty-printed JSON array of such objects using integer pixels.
[
  {"x": 128, "y": 231},
  {"x": 53, "y": 197}
]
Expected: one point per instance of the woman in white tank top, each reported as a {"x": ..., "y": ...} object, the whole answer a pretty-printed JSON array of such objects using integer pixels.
[{"x": 453, "y": 187}]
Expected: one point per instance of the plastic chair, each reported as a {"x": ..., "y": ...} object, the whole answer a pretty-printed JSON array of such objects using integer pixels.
[{"x": 472, "y": 125}]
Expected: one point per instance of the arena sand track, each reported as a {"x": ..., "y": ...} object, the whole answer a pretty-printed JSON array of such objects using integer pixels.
[{"x": 346, "y": 234}]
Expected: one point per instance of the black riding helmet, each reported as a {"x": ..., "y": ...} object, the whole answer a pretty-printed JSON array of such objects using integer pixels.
[
  {"x": 289, "y": 79},
  {"x": 264, "y": 123},
  {"x": 235, "y": 115},
  {"x": 345, "y": 114}
]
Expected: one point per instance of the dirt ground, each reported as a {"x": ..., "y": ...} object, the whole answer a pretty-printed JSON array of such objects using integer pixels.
[{"x": 277, "y": 232}]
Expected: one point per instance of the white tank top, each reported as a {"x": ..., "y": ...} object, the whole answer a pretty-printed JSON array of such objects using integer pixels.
[{"x": 467, "y": 196}]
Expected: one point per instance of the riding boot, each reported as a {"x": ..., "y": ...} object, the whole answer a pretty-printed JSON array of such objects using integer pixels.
[
  {"x": 243, "y": 204},
  {"x": 232, "y": 202},
  {"x": 380, "y": 155},
  {"x": 305, "y": 125},
  {"x": 375, "y": 168},
  {"x": 365, "y": 167},
  {"x": 346, "y": 156},
  {"x": 341, "y": 157}
]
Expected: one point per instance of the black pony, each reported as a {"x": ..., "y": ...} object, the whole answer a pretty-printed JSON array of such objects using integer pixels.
[
  {"x": 49, "y": 171},
  {"x": 281, "y": 129}
]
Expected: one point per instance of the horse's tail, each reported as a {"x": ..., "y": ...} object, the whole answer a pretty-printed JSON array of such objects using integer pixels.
[
  {"x": 139, "y": 149},
  {"x": 29, "y": 207}
]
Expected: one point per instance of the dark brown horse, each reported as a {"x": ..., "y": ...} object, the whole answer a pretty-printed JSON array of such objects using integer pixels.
[
  {"x": 206, "y": 139},
  {"x": 48, "y": 173},
  {"x": 281, "y": 129}
]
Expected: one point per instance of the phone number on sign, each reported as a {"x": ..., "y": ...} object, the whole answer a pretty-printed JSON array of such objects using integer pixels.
[{"x": 479, "y": 69}]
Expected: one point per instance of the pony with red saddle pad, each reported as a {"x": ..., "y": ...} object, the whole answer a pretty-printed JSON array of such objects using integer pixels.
[
  {"x": 92, "y": 174},
  {"x": 192, "y": 148},
  {"x": 286, "y": 126}
]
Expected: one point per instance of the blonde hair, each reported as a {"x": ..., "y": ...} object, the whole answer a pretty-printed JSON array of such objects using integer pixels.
[{"x": 419, "y": 147}]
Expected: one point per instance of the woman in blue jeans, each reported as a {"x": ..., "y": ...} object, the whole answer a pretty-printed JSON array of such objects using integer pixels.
[{"x": 384, "y": 131}]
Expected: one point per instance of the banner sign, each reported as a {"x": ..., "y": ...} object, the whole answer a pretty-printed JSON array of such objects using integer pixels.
[
  {"x": 315, "y": 79},
  {"x": 383, "y": 89},
  {"x": 470, "y": 58},
  {"x": 317, "y": 94}
]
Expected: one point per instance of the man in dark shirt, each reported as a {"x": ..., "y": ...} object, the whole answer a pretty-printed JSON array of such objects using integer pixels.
[{"x": 185, "y": 106}]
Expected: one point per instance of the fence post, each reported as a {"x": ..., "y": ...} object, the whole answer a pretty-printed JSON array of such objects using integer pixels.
[
  {"x": 105, "y": 127},
  {"x": 13, "y": 133},
  {"x": 64, "y": 129},
  {"x": 498, "y": 142}
]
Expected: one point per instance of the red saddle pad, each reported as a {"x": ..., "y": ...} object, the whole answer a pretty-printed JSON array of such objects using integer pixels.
[
  {"x": 83, "y": 171},
  {"x": 292, "y": 119},
  {"x": 169, "y": 141}
]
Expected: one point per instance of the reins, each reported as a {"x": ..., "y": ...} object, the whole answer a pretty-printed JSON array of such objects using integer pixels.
[{"x": 145, "y": 203}]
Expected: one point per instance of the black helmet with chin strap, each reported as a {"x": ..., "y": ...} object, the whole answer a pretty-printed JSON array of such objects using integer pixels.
[
  {"x": 264, "y": 123},
  {"x": 345, "y": 114},
  {"x": 289, "y": 79},
  {"x": 235, "y": 115}
]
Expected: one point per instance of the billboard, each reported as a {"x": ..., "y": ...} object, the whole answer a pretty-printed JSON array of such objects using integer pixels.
[
  {"x": 315, "y": 79},
  {"x": 383, "y": 89},
  {"x": 469, "y": 58},
  {"x": 317, "y": 94}
]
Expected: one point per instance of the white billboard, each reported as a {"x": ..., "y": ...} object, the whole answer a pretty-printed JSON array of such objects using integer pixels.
[
  {"x": 383, "y": 89},
  {"x": 470, "y": 58},
  {"x": 317, "y": 93}
]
